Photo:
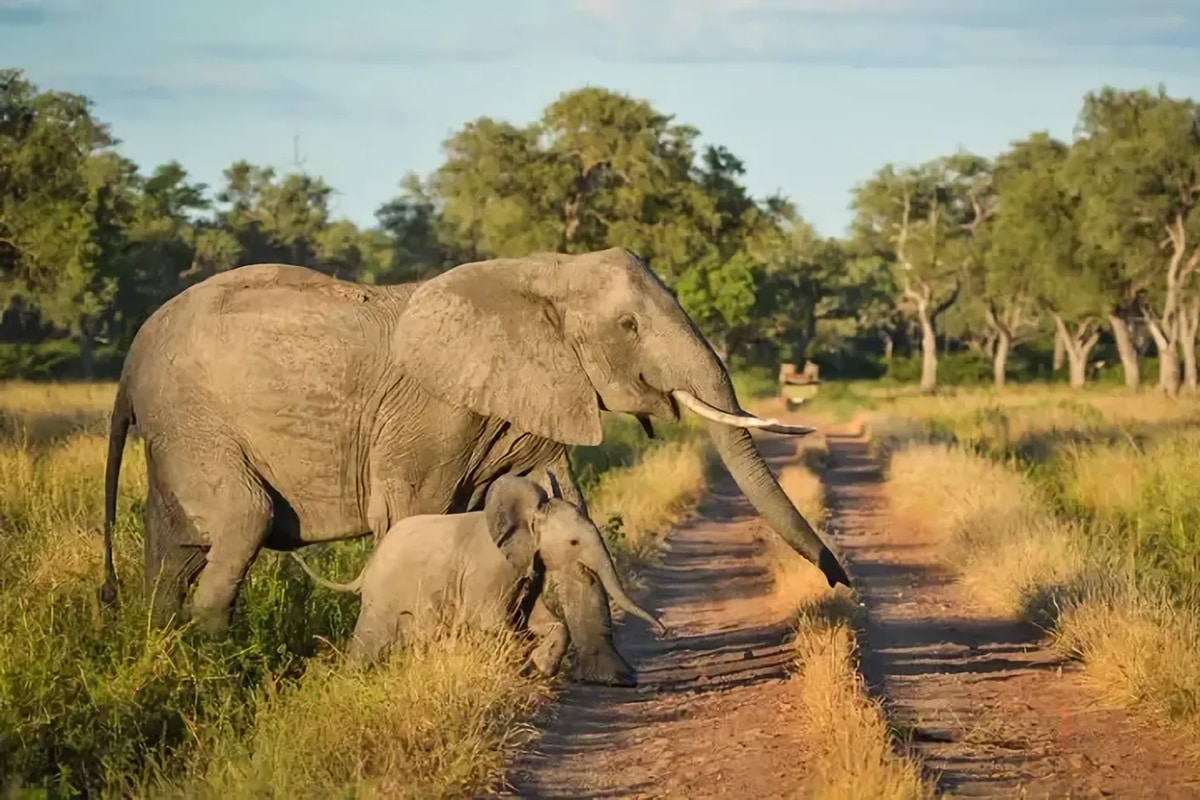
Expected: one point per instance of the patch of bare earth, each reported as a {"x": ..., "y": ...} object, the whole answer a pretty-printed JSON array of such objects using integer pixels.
[
  {"x": 714, "y": 714},
  {"x": 991, "y": 708}
]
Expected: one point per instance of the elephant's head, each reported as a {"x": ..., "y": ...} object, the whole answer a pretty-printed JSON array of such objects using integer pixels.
[
  {"x": 548, "y": 341},
  {"x": 522, "y": 519}
]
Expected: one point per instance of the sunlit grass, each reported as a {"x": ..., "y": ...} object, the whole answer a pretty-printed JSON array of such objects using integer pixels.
[
  {"x": 439, "y": 719},
  {"x": 1082, "y": 518},
  {"x": 853, "y": 752},
  {"x": 100, "y": 703}
]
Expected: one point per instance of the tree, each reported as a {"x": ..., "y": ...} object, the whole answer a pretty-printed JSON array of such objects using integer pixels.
[
  {"x": 958, "y": 252},
  {"x": 1024, "y": 241},
  {"x": 62, "y": 194},
  {"x": 601, "y": 169},
  {"x": 419, "y": 237},
  {"x": 161, "y": 239},
  {"x": 922, "y": 220},
  {"x": 1138, "y": 178},
  {"x": 749, "y": 284}
]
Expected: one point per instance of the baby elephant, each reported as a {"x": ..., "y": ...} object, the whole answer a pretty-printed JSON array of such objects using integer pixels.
[{"x": 493, "y": 563}]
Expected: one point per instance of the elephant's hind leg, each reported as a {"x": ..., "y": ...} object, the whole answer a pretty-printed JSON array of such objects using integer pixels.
[
  {"x": 552, "y": 639},
  {"x": 239, "y": 531},
  {"x": 225, "y": 506},
  {"x": 172, "y": 558}
]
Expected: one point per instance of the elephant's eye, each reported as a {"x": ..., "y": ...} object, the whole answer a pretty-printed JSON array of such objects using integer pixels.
[
  {"x": 628, "y": 322},
  {"x": 574, "y": 543}
]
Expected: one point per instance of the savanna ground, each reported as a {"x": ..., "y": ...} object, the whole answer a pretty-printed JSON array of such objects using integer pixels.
[{"x": 1028, "y": 564}]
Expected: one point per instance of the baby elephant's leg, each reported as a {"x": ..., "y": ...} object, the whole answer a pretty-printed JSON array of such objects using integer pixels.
[{"x": 552, "y": 636}]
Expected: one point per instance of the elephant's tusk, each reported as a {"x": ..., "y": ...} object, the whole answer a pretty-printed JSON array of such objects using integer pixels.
[{"x": 739, "y": 420}]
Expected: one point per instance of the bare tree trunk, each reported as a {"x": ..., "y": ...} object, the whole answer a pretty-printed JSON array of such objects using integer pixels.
[
  {"x": 1128, "y": 353},
  {"x": 929, "y": 354},
  {"x": 1168, "y": 357},
  {"x": 1166, "y": 327},
  {"x": 1188, "y": 346},
  {"x": 1004, "y": 327},
  {"x": 989, "y": 343},
  {"x": 1060, "y": 350},
  {"x": 889, "y": 346},
  {"x": 1000, "y": 358},
  {"x": 1078, "y": 346},
  {"x": 1189, "y": 325}
]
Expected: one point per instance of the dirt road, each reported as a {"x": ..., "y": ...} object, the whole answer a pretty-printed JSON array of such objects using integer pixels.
[
  {"x": 993, "y": 711},
  {"x": 990, "y": 706},
  {"x": 713, "y": 715}
]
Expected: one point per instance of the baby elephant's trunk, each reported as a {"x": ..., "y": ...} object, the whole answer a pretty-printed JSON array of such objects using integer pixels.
[{"x": 608, "y": 577}]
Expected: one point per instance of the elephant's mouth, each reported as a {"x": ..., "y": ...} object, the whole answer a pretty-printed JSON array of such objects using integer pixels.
[
  {"x": 666, "y": 406},
  {"x": 654, "y": 403}
]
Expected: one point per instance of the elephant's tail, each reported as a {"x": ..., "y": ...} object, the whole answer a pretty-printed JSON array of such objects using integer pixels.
[
  {"x": 118, "y": 429},
  {"x": 354, "y": 586}
]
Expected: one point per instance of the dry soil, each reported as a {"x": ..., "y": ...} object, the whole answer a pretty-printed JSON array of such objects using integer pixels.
[{"x": 990, "y": 707}]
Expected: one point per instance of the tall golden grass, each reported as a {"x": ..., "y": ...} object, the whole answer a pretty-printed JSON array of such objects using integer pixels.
[
  {"x": 855, "y": 753},
  {"x": 103, "y": 704},
  {"x": 1080, "y": 517}
]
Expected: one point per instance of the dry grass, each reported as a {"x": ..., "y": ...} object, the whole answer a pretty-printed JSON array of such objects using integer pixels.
[
  {"x": 1109, "y": 565},
  {"x": 639, "y": 504},
  {"x": 991, "y": 525},
  {"x": 1140, "y": 651},
  {"x": 101, "y": 704},
  {"x": 855, "y": 753},
  {"x": 440, "y": 719}
]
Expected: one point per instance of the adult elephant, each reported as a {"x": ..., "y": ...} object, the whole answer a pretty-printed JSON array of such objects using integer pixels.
[{"x": 281, "y": 407}]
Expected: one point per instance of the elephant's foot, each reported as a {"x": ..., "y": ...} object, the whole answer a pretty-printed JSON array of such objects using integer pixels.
[
  {"x": 589, "y": 626},
  {"x": 605, "y": 668},
  {"x": 548, "y": 655},
  {"x": 212, "y": 623}
]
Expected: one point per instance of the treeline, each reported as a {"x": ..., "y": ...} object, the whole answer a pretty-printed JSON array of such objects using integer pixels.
[{"x": 1080, "y": 254}]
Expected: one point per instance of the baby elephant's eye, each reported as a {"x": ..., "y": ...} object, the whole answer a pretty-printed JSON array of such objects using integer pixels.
[
  {"x": 574, "y": 542},
  {"x": 628, "y": 323}
]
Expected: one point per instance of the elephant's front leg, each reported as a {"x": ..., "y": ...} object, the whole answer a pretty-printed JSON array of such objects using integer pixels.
[{"x": 584, "y": 604}]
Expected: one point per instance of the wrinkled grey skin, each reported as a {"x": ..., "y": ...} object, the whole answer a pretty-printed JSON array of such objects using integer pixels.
[
  {"x": 488, "y": 566},
  {"x": 282, "y": 407}
]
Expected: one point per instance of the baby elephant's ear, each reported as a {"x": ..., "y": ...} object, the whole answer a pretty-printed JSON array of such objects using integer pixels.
[{"x": 509, "y": 508}]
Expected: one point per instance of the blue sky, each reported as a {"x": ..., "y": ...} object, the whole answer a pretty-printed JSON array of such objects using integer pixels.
[{"x": 812, "y": 94}]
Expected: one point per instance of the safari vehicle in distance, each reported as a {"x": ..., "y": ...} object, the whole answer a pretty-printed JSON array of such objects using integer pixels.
[{"x": 795, "y": 387}]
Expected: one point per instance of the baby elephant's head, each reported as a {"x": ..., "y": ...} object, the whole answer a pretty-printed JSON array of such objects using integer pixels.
[
  {"x": 522, "y": 518},
  {"x": 567, "y": 539}
]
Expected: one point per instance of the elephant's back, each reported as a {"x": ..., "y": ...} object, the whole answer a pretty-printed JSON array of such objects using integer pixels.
[
  {"x": 281, "y": 363},
  {"x": 265, "y": 318}
]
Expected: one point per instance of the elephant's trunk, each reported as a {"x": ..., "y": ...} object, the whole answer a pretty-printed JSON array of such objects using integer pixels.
[
  {"x": 608, "y": 578},
  {"x": 712, "y": 397}
]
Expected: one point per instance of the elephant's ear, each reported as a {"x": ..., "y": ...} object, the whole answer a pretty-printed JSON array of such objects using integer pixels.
[
  {"x": 510, "y": 507},
  {"x": 478, "y": 336}
]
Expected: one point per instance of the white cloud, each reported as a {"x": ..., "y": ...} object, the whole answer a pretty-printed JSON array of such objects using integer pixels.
[{"x": 1146, "y": 33}]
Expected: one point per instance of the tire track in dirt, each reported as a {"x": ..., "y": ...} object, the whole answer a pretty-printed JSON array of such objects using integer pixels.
[
  {"x": 991, "y": 708},
  {"x": 714, "y": 714}
]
